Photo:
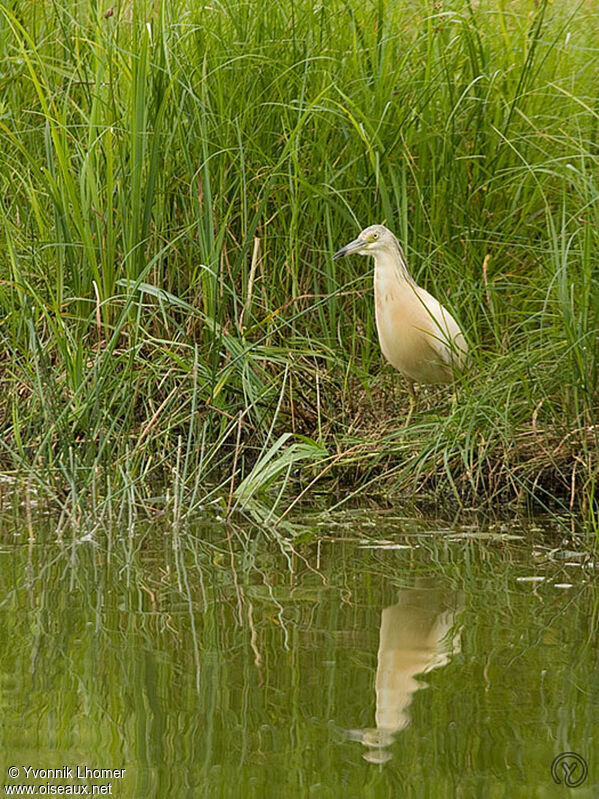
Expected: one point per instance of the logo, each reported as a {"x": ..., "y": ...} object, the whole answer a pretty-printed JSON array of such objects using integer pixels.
[{"x": 571, "y": 768}]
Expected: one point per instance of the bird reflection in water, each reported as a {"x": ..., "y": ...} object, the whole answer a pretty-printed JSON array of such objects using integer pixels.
[{"x": 417, "y": 634}]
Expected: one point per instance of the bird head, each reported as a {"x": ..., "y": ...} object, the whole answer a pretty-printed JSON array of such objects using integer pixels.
[{"x": 373, "y": 239}]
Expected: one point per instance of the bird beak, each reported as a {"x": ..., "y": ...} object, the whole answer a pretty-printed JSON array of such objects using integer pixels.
[{"x": 354, "y": 246}]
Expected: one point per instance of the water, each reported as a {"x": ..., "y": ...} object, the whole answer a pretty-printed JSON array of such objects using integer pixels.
[{"x": 394, "y": 658}]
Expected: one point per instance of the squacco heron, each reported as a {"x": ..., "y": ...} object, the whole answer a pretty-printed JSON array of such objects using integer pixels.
[{"x": 418, "y": 336}]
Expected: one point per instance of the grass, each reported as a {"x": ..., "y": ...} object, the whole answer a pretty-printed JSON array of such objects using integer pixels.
[{"x": 175, "y": 177}]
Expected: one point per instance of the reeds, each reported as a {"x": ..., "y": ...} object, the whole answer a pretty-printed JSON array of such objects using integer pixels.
[{"x": 174, "y": 180}]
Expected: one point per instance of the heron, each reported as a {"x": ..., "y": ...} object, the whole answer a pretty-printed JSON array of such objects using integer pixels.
[{"x": 418, "y": 335}]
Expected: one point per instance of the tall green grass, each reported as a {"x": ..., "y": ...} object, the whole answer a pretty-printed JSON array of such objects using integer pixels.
[{"x": 175, "y": 177}]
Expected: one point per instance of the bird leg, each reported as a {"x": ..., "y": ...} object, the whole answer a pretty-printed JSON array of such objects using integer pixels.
[
  {"x": 412, "y": 401},
  {"x": 454, "y": 401}
]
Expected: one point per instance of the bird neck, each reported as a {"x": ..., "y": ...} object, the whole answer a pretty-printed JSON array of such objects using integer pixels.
[{"x": 392, "y": 265}]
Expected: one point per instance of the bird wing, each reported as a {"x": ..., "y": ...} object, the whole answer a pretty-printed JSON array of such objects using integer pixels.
[{"x": 445, "y": 335}]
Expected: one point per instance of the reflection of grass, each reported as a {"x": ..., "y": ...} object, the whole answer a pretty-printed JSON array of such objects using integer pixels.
[
  {"x": 174, "y": 181},
  {"x": 213, "y": 657}
]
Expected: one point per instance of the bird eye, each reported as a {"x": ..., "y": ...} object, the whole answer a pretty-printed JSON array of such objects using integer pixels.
[{"x": 375, "y": 236}]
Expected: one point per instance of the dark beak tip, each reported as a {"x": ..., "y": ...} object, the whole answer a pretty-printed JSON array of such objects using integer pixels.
[{"x": 349, "y": 249}]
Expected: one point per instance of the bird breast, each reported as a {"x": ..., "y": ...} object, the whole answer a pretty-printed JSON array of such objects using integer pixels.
[{"x": 418, "y": 336}]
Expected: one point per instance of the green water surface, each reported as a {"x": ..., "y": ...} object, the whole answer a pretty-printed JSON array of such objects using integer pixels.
[{"x": 388, "y": 658}]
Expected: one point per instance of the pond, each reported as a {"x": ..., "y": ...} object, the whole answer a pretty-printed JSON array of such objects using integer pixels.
[{"x": 383, "y": 657}]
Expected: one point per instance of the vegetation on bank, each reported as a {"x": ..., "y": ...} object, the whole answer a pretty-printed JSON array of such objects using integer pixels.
[{"x": 175, "y": 177}]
